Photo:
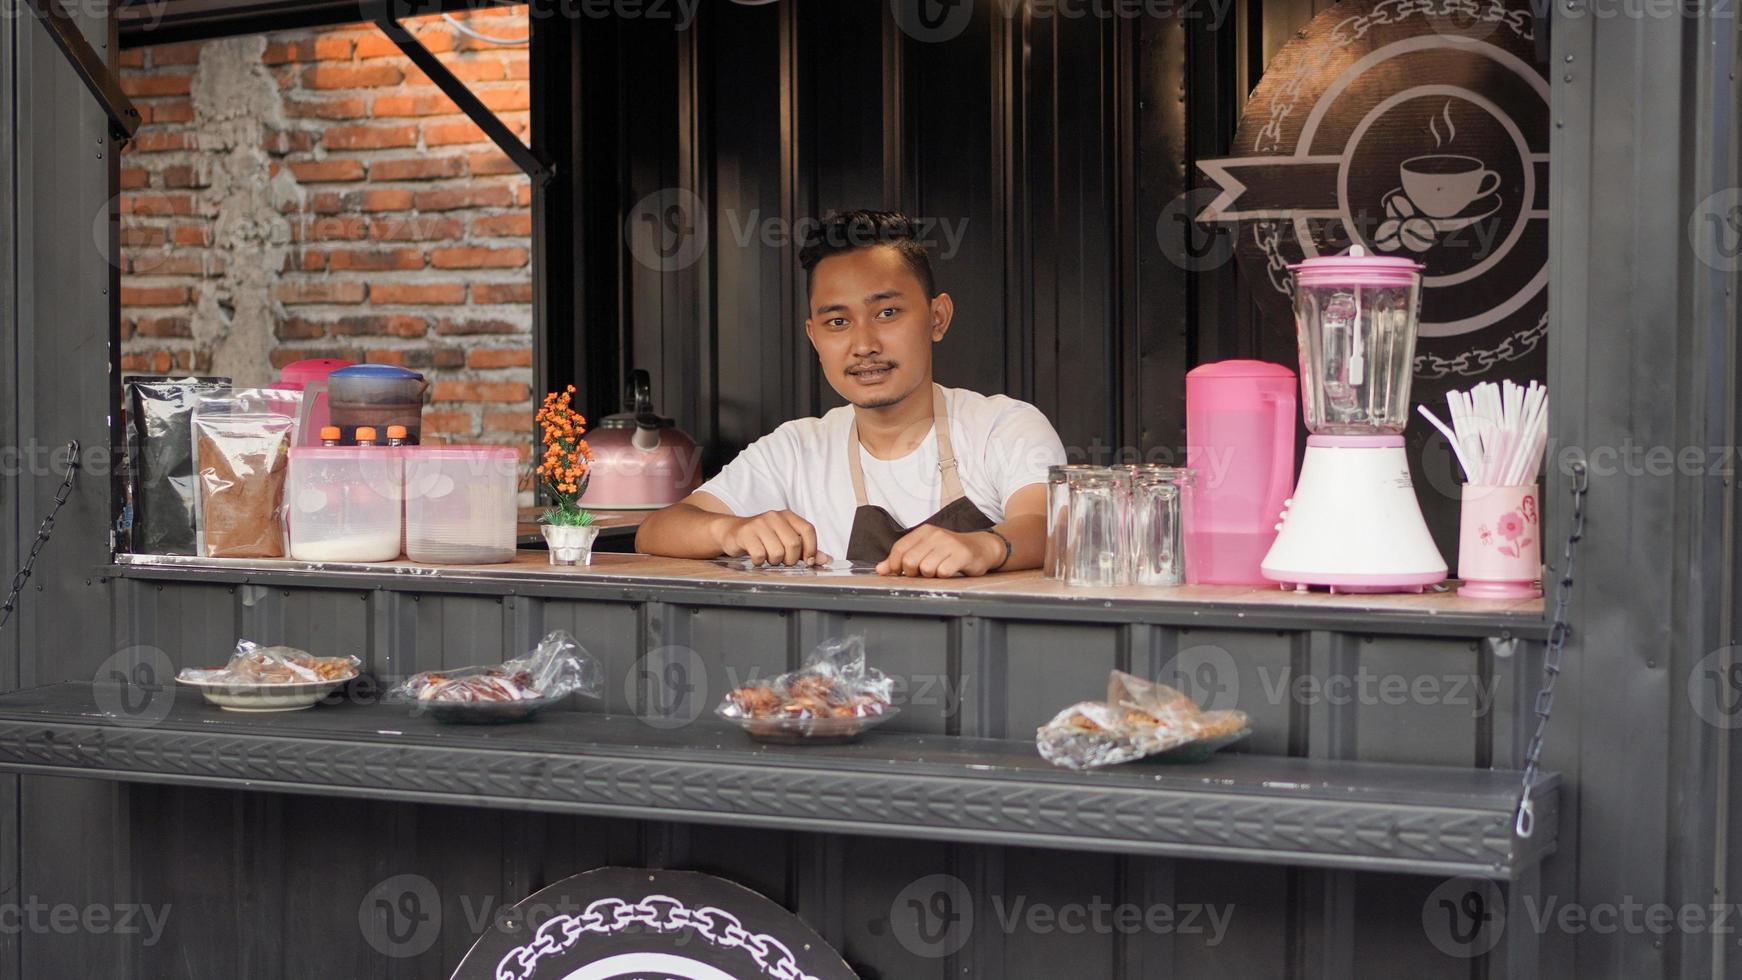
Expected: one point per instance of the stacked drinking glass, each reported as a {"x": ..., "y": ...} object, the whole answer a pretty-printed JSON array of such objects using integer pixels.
[{"x": 1117, "y": 525}]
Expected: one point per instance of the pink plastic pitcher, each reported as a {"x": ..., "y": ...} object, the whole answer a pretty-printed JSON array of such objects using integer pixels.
[
  {"x": 1240, "y": 440},
  {"x": 310, "y": 377}
]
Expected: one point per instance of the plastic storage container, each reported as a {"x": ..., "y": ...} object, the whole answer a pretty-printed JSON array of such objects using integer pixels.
[
  {"x": 1240, "y": 440},
  {"x": 377, "y": 395},
  {"x": 460, "y": 504},
  {"x": 344, "y": 503}
]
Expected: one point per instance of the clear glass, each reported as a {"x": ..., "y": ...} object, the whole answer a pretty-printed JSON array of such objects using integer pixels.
[
  {"x": 1159, "y": 498},
  {"x": 1095, "y": 543},
  {"x": 1058, "y": 515},
  {"x": 1357, "y": 355}
]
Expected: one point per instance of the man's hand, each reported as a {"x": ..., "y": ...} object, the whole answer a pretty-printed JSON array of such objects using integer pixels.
[
  {"x": 932, "y": 552},
  {"x": 778, "y": 537}
]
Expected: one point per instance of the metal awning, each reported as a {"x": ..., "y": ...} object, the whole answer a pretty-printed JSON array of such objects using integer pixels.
[
  {"x": 160, "y": 21},
  {"x": 92, "y": 70}
]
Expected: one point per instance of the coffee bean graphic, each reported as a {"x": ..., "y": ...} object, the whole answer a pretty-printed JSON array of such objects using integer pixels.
[{"x": 1417, "y": 234}]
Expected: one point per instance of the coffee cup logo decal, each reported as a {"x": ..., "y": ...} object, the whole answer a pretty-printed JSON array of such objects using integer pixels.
[
  {"x": 1438, "y": 193},
  {"x": 1381, "y": 126},
  {"x": 1444, "y": 185}
]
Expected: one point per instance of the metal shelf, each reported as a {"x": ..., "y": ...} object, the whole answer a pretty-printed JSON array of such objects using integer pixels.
[{"x": 1263, "y": 809}]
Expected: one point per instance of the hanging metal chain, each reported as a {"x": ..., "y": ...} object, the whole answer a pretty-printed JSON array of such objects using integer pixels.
[
  {"x": 1525, "y": 824},
  {"x": 42, "y": 533}
]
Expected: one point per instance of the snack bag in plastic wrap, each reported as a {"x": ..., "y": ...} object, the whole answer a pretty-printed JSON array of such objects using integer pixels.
[
  {"x": 1139, "y": 718},
  {"x": 510, "y": 691},
  {"x": 833, "y": 697},
  {"x": 253, "y": 664}
]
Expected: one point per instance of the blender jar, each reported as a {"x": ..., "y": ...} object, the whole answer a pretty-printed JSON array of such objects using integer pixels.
[{"x": 1356, "y": 318}]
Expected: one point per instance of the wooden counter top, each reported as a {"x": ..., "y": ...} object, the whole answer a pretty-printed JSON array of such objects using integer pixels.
[{"x": 531, "y": 573}]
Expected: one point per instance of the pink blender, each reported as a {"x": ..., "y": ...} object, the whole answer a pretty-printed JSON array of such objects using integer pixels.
[
  {"x": 1240, "y": 443},
  {"x": 1354, "y": 523}
]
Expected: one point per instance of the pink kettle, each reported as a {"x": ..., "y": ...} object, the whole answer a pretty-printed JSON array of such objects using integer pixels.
[
  {"x": 641, "y": 461},
  {"x": 1240, "y": 433}
]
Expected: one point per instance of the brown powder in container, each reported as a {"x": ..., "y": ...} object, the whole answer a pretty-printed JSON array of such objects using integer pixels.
[{"x": 242, "y": 462}]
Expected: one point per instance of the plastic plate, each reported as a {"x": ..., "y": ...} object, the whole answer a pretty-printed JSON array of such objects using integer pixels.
[
  {"x": 809, "y": 731},
  {"x": 265, "y": 697},
  {"x": 482, "y": 712}
]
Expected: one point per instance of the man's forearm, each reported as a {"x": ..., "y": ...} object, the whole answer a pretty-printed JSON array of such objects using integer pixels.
[
  {"x": 1027, "y": 534},
  {"x": 680, "y": 531}
]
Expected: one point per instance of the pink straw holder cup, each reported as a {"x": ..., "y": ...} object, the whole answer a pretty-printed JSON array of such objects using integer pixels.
[{"x": 1500, "y": 542}]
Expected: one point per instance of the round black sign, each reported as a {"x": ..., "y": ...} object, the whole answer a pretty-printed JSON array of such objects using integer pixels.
[{"x": 635, "y": 924}]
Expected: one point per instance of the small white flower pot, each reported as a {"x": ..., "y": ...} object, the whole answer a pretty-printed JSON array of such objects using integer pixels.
[{"x": 570, "y": 545}]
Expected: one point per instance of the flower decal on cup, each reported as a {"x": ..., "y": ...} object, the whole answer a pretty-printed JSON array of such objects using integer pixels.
[{"x": 1515, "y": 527}]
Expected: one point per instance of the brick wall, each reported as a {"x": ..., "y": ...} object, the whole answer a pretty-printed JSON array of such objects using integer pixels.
[{"x": 311, "y": 194}]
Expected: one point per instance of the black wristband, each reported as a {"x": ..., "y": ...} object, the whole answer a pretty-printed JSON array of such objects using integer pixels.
[{"x": 1008, "y": 550}]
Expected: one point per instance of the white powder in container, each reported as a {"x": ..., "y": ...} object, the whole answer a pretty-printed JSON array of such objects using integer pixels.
[{"x": 380, "y": 545}]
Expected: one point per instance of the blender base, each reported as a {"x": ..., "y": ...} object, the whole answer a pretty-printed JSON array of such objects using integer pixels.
[
  {"x": 1389, "y": 585},
  {"x": 1354, "y": 525}
]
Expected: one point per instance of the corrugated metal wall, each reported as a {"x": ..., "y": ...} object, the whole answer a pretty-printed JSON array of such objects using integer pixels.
[{"x": 60, "y": 840}]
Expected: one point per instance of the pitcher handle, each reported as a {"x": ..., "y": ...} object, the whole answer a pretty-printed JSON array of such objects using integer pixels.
[{"x": 1282, "y": 477}]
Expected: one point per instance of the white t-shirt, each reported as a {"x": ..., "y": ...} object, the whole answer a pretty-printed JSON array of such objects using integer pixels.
[{"x": 1001, "y": 446}]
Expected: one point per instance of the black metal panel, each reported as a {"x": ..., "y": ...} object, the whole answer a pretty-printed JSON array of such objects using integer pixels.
[
  {"x": 1027, "y": 139},
  {"x": 1257, "y": 942},
  {"x": 1389, "y": 912},
  {"x": 60, "y": 323},
  {"x": 11, "y": 518},
  {"x": 1043, "y": 668},
  {"x": 1634, "y": 340},
  {"x": 754, "y": 341},
  {"x": 1419, "y": 700}
]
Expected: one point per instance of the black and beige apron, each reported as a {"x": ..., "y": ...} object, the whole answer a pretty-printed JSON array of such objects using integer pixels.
[{"x": 875, "y": 530}]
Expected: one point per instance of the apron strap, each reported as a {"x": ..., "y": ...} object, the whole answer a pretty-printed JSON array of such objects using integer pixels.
[{"x": 952, "y": 481}]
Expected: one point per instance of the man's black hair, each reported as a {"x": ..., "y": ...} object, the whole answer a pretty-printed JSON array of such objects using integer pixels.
[{"x": 847, "y": 231}]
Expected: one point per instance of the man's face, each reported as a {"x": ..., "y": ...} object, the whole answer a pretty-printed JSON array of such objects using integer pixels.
[{"x": 872, "y": 326}]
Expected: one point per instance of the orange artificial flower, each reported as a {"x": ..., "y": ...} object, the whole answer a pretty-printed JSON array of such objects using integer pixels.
[{"x": 563, "y": 465}]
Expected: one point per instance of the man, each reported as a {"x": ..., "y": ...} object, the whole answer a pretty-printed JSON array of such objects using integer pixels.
[{"x": 876, "y": 481}]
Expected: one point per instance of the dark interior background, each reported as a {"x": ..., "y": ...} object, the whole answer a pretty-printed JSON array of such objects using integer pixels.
[
  {"x": 1053, "y": 143},
  {"x": 1056, "y": 142}
]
